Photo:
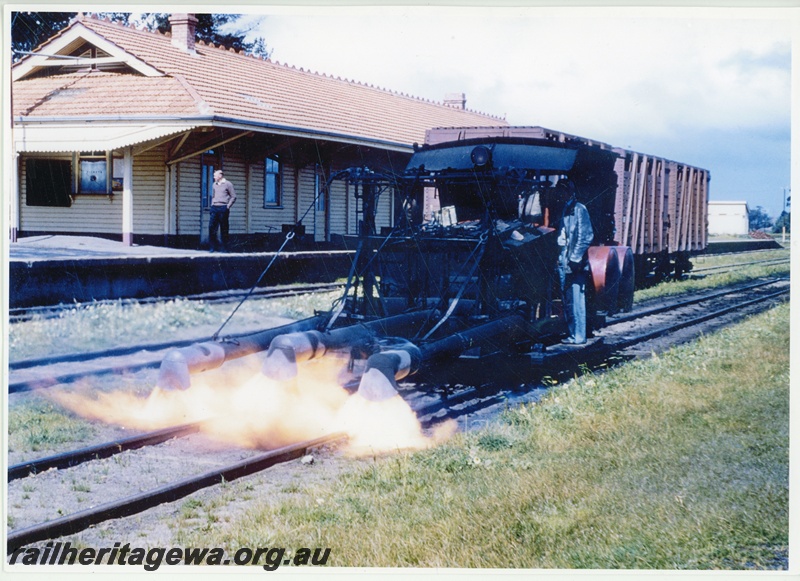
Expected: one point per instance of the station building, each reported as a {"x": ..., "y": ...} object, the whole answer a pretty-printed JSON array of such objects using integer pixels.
[
  {"x": 728, "y": 218},
  {"x": 117, "y": 132}
]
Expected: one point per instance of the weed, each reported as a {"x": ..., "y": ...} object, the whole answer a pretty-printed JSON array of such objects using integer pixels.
[
  {"x": 493, "y": 442},
  {"x": 716, "y": 279},
  {"x": 38, "y": 425},
  {"x": 123, "y": 323}
]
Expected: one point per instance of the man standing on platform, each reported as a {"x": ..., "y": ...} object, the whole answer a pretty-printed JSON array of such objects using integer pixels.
[
  {"x": 221, "y": 202},
  {"x": 574, "y": 237}
]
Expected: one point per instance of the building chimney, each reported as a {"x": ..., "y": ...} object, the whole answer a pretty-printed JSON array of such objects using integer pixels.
[
  {"x": 183, "y": 31},
  {"x": 457, "y": 100}
]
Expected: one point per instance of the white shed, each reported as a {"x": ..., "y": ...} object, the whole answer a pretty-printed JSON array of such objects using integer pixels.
[{"x": 731, "y": 218}]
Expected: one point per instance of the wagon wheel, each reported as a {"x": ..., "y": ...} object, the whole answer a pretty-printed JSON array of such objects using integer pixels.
[
  {"x": 605, "y": 268},
  {"x": 627, "y": 278}
]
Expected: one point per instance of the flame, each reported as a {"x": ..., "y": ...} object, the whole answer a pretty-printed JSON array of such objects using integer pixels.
[
  {"x": 385, "y": 426},
  {"x": 240, "y": 406}
]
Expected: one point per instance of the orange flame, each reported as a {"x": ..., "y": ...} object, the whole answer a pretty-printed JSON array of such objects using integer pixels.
[{"x": 242, "y": 407}]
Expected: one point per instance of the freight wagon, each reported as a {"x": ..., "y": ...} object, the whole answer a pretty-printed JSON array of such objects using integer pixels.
[{"x": 660, "y": 207}]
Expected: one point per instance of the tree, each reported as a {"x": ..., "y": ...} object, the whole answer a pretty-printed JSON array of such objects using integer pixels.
[
  {"x": 785, "y": 219},
  {"x": 210, "y": 30},
  {"x": 30, "y": 29},
  {"x": 759, "y": 219}
]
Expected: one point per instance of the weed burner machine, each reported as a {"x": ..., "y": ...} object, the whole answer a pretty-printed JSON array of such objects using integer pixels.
[{"x": 456, "y": 291}]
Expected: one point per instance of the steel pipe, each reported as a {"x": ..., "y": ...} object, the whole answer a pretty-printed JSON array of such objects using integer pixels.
[
  {"x": 286, "y": 351},
  {"x": 179, "y": 364},
  {"x": 379, "y": 381}
]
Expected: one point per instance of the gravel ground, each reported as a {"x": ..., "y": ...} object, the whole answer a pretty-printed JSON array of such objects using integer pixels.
[{"x": 56, "y": 493}]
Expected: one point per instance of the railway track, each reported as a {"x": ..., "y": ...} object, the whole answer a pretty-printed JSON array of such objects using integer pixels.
[
  {"x": 20, "y": 314},
  {"x": 728, "y": 267},
  {"x": 40, "y": 373},
  {"x": 621, "y": 333}
]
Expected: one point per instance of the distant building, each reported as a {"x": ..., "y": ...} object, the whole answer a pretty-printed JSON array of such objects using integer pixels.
[
  {"x": 731, "y": 218},
  {"x": 117, "y": 133}
]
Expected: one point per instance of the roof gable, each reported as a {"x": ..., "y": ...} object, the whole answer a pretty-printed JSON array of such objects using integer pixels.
[{"x": 79, "y": 47}]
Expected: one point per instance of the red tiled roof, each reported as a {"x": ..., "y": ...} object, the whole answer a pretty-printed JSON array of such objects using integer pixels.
[
  {"x": 101, "y": 94},
  {"x": 240, "y": 87}
]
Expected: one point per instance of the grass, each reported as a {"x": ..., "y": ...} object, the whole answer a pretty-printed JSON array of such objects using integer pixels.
[
  {"x": 99, "y": 326},
  {"x": 676, "y": 462},
  {"x": 39, "y": 425},
  {"x": 714, "y": 279}
]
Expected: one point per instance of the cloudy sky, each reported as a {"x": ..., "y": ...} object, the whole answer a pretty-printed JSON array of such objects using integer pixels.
[{"x": 709, "y": 87}]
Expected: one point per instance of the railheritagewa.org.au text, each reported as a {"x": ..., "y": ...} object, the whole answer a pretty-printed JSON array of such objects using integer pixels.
[{"x": 269, "y": 558}]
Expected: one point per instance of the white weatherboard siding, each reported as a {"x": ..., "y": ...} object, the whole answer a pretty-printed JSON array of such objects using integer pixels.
[
  {"x": 148, "y": 192},
  {"x": 338, "y": 207},
  {"x": 98, "y": 213},
  {"x": 728, "y": 218},
  {"x": 152, "y": 178},
  {"x": 188, "y": 186}
]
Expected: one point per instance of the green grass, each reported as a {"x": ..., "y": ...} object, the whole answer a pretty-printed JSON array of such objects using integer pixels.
[
  {"x": 39, "y": 425},
  {"x": 112, "y": 324},
  {"x": 711, "y": 260},
  {"x": 676, "y": 462},
  {"x": 714, "y": 279}
]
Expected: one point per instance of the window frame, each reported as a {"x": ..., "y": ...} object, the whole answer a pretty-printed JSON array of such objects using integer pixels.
[
  {"x": 319, "y": 190},
  {"x": 210, "y": 161},
  {"x": 83, "y": 161},
  {"x": 276, "y": 179}
]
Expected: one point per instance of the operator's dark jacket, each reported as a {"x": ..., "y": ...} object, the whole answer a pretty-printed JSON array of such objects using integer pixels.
[{"x": 576, "y": 235}]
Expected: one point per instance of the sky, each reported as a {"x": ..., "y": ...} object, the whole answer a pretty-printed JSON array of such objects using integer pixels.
[{"x": 710, "y": 87}]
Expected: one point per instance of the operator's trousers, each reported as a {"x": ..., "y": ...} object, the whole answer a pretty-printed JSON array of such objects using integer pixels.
[
  {"x": 218, "y": 220},
  {"x": 573, "y": 294}
]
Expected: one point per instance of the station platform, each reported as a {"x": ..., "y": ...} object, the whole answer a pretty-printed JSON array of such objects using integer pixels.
[
  {"x": 726, "y": 245},
  {"x": 49, "y": 270}
]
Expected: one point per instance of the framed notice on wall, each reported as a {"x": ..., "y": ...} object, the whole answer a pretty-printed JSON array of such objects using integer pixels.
[
  {"x": 116, "y": 175},
  {"x": 93, "y": 176},
  {"x": 94, "y": 173}
]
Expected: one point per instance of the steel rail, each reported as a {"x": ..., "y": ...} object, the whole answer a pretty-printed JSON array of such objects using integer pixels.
[
  {"x": 28, "y": 385},
  {"x": 774, "y": 261},
  {"x": 123, "y": 367},
  {"x": 76, "y": 522},
  {"x": 693, "y": 321},
  {"x": 98, "y": 451},
  {"x": 633, "y": 315},
  {"x": 32, "y": 384},
  {"x": 19, "y": 314},
  {"x": 107, "y": 449}
]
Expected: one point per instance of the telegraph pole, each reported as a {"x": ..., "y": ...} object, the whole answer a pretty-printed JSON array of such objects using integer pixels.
[{"x": 784, "y": 214}]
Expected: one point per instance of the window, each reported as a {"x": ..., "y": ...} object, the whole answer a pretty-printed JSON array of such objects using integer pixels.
[
  {"x": 48, "y": 182},
  {"x": 272, "y": 182},
  {"x": 319, "y": 186},
  {"x": 209, "y": 163},
  {"x": 207, "y": 184}
]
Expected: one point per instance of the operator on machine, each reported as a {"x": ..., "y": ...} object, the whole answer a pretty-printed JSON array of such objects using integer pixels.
[{"x": 574, "y": 238}]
